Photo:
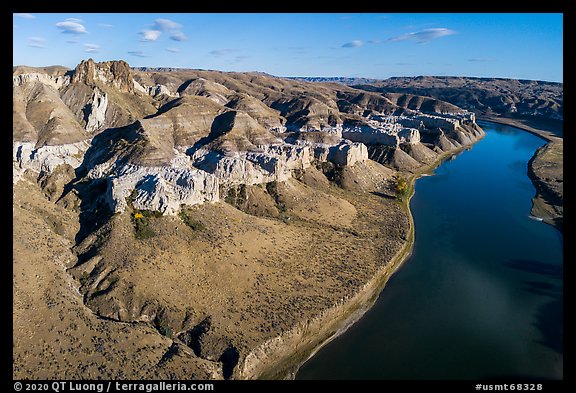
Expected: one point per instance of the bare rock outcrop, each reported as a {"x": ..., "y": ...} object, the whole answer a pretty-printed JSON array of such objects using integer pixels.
[
  {"x": 265, "y": 116},
  {"x": 373, "y": 134},
  {"x": 45, "y": 159},
  {"x": 158, "y": 90},
  {"x": 271, "y": 163},
  {"x": 345, "y": 153},
  {"x": 56, "y": 82},
  {"x": 205, "y": 88},
  {"x": 96, "y": 110},
  {"x": 162, "y": 189},
  {"x": 114, "y": 73}
]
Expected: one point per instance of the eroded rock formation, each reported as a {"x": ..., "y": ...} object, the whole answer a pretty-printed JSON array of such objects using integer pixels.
[
  {"x": 229, "y": 128},
  {"x": 198, "y": 203}
]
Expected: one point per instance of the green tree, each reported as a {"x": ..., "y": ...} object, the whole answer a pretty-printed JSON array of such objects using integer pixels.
[{"x": 400, "y": 187}]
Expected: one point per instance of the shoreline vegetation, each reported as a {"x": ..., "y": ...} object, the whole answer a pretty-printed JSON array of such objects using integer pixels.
[{"x": 288, "y": 368}]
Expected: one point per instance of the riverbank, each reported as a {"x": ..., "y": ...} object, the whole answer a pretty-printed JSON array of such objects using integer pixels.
[
  {"x": 545, "y": 168},
  {"x": 466, "y": 281},
  {"x": 269, "y": 273},
  {"x": 552, "y": 131},
  {"x": 356, "y": 307}
]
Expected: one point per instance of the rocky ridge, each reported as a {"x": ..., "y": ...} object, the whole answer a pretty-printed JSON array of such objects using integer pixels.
[{"x": 222, "y": 128}]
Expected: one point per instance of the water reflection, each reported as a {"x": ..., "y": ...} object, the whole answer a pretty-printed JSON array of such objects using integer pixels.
[
  {"x": 536, "y": 267},
  {"x": 546, "y": 322},
  {"x": 481, "y": 296}
]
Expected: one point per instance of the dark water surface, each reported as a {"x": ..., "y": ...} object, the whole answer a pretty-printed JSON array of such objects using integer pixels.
[{"x": 481, "y": 296}]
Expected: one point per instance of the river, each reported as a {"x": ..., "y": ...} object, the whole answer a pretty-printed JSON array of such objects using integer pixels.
[{"x": 481, "y": 295}]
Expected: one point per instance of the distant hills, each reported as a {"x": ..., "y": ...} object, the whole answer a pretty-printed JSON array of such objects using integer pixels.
[{"x": 511, "y": 98}]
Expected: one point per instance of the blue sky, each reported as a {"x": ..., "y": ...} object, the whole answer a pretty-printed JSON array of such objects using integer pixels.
[{"x": 524, "y": 46}]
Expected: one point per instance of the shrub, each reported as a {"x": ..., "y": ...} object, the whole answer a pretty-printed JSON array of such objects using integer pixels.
[
  {"x": 230, "y": 196},
  {"x": 400, "y": 187},
  {"x": 163, "y": 328},
  {"x": 235, "y": 195},
  {"x": 332, "y": 171},
  {"x": 141, "y": 221},
  {"x": 195, "y": 225},
  {"x": 143, "y": 231},
  {"x": 84, "y": 278},
  {"x": 272, "y": 189}
]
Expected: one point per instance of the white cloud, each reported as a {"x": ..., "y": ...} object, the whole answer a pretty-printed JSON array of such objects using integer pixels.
[
  {"x": 166, "y": 25},
  {"x": 70, "y": 27},
  {"x": 425, "y": 35},
  {"x": 91, "y": 48},
  {"x": 173, "y": 50},
  {"x": 25, "y": 16},
  {"x": 104, "y": 25},
  {"x": 37, "y": 42},
  {"x": 353, "y": 44},
  {"x": 150, "y": 35},
  {"x": 75, "y": 20},
  {"x": 178, "y": 36},
  {"x": 137, "y": 53}
]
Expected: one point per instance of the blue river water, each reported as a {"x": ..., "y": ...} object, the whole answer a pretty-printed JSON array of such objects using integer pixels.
[{"x": 481, "y": 295}]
